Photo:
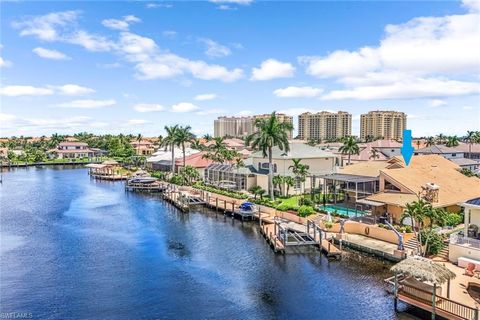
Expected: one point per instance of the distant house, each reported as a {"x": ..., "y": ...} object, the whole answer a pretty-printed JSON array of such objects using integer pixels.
[
  {"x": 430, "y": 177},
  {"x": 143, "y": 147},
  {"x": 442, "y": 150},
  {"x": 195, "y": 160},
  {"x": 162, "y": 159},
  {"x": 379, "y": 150},
  {"x": 320, "y": 162},
  {"x": 71, "y": 150},
  {"x": 466, "y": 163}
]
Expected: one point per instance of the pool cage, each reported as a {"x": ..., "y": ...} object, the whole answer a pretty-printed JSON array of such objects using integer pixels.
[{"x": 225, "y": 176}]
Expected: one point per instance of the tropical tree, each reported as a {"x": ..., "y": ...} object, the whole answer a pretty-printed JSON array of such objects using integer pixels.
[
  {"x": 417, "y": 211},
  {"x": 190, "y": 174},
  {"x": 452, "y": 141},
  {"x": 430, "y": 141},
  {"x": 278, "y": 181},
  {"x": 289, "y": 183},
  {"x": 195, "y": 144},
  {"x": 441, "y": 138},
  {"x": 139, "y": 140},
  {"x": 300, "y": 171},
  {"x": 207, "y": 137},
  {"x": 270, "y": 132},
  {"x": 257, "y": 191},
  {"x": 374, "y": 154},
  {"x": 350, "y": 146},
  {"x": 184, "y": 135},
  {"x": 171, "y": 141}
]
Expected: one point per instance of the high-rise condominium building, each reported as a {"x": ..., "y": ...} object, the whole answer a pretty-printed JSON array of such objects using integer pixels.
[
  {"x": 324, "y": 125},
  {"x": 385, "y": 124},
  {"x": 240, "y": 127}
]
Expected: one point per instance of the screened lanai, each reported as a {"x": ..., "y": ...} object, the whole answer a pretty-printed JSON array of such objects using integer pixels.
[
  {"x": 227, "y": 176},
  {"x": 353, "y": 187}
]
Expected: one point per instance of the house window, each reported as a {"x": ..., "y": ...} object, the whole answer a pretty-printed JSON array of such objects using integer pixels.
[{"x": 454, "y": 154}]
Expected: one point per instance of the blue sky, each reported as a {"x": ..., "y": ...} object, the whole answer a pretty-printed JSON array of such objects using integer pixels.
[{"x": 134, "y": 67}]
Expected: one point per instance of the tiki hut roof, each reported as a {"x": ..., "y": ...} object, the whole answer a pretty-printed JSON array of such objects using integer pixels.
[
  {"x": 110, "y": 162},
  {"x": 424, "y": 269}
]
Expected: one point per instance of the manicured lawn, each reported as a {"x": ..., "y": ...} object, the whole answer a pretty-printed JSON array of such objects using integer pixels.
[{"x": 291, "y": 201}]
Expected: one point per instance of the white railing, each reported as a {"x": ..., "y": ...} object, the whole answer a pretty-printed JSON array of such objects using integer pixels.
[{"x": 462, "y": 240}]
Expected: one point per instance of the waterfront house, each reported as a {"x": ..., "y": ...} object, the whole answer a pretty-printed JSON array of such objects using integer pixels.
[
  {"x": 430, "y": 177},
  {"x": 320, "y": 162},
  {"x": 463, "y": 150},
  {"x": 465, "y": 246},
  {"x": 143, "y": 147},
  {"x": 71, "y": 150},
  {"x": 379, "y": 150},
  {"x": 195, "y": 160},
  {"x": 162, "y": 159},
  {"x": 466, "y": 163}
]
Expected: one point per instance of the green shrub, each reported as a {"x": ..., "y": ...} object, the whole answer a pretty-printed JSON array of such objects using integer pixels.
[
  {"x": 306, "y": 202},
  {"x": 435, "y": 241},
  {"x": 408, "y": 229},
  {"x": 453, "y": 219},
  {"x": 177, "y": 179},
  {"x": 304, "y": 211},
  {"x": 228, "y": 193}
]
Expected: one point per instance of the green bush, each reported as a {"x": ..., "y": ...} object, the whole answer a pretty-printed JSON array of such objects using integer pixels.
[
  {"x": 286, "y": 207},
  {"x": 408, "y": 229},
  {"x": 306, "y": 202},
  {"x": 435, "y": 241},
  {"x": 453, "y": 219},
  {"x": 177, "y": 179},
  {"x": 304, "y": 211},
  {"x": 228, "y": 193}
]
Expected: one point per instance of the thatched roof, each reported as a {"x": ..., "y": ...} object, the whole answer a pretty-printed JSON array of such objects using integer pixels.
[{"x": 424, "y": 269}]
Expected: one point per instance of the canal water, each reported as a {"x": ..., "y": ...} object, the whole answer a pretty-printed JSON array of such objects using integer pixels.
[{"x": 76, "y": 248}]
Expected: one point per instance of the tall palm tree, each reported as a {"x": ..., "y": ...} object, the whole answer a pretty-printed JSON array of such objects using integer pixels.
[
  {"x": 278, "y": 181},
  {"x": 441, "y": 138},
  {"x": 171, "y": 141},
  {"x": 452, "y": 141},
  {"x": 182, "y": 136},
  {"x": 470, "y": 138},
  {"x": 207, "y": 137},
  {"x": 270, "y": 133},
  {"x": 195, "y": 144},
  {"x": 350, "y": 146}
]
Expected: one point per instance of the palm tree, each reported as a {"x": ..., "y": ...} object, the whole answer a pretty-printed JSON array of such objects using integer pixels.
[
  {"x": 197, "y": 145},
  {"x": 207, "y": 137},
  {"x": 270, "y": 133},
  {"x": 374, "y": 154},
  {"x": 417, "y": 211},
  {"x": 452, "y": 141},
  {"x": 350, "y": 146},
  {"x": 257, "y": 191},
  {"x": 441, "y": 138},
  {"x": 430, "y": 142},
  {"x": 418, "y": 142},
  {"x": 470, "y": 138},
  {"x": 190, "y": 174},
  {"x": 139, "y": 140},
  {"x": 289, "y": 182},
  {"x": 278, "y": 181},
  {"x": 184, "y": 135},
  {"x": 171, "y": 141}
]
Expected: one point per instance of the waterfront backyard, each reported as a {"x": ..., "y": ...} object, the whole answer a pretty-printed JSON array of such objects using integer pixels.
[{"x": 84, "y": 249}]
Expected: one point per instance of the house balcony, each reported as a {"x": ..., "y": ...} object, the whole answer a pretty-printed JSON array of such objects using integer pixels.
[{"x": 463, "y": 248}]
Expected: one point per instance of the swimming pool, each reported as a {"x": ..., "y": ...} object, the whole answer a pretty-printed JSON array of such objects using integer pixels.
[{"x": 343, "y": 210}]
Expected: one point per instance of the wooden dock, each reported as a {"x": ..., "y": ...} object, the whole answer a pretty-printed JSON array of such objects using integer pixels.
[
  {"x": 330, "y": 249},
  {"x": 268, "y": 232}
]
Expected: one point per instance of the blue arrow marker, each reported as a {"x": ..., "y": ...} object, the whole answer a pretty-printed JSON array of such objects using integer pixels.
[{"x": 407, "y": 149}]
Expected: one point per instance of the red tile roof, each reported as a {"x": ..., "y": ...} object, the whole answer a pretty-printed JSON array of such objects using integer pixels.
[{"x": 195, "y": 160}]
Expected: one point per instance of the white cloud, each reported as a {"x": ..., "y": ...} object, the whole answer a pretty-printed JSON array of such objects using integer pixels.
[
  {"x": 225, "y": 7},
  {"x": 407, "y": 89},
  {"x": 472, "y": 5},
  {"x": 159, "y": 5},
  {"x": 298, "y": 92},
  {"x": 121, "y": 24},
  {"x": 468, "y": 108},
  {"x": 205, "y": 96},
  {"x": 73, "y": 90},
  {"x": 215, "y": 49},
  {"x": 272, "y": 69},
  {"x": 134, "y": 122},
  {"x": 240, "y": 2},
  {"x": 16, "y": 91},
  {"x": 87, "y": 104},
  {"x": 408, "y": 61},
  {"x": 169, "y": 34},
  {"x": 46, "y": 27},
  {"x": 151, "y": 63},
  {"x": 184, "y": 107},
  {"x": 436, "y": 103},
  {"x": 148, "y": 107},
  {"x": 61, "y": 26},
  {"x": 50, "y": 54},
  {"x": 4, "y": 63}
]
